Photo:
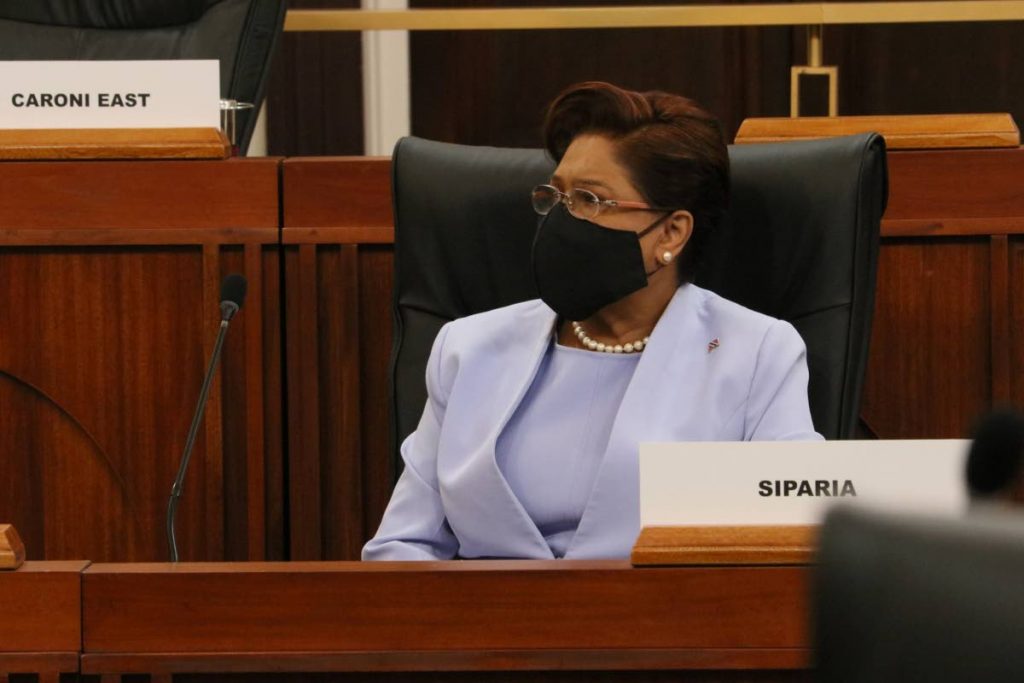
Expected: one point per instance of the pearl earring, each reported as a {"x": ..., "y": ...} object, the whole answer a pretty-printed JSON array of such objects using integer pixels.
[{"x": 667, "y": 257}]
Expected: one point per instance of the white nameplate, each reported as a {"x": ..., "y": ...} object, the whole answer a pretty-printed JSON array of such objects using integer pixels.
[
  {"x": 794, "y": 482},
  {"x": 103, "y": 94}
]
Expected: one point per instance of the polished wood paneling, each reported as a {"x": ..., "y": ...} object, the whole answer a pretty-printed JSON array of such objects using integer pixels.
[
  {"x": 940, "y": 194},
  {"x": 929, "y": 371},
  {"x": 949, "y": 283},
  {"x": 107, "y": 330},
  {"x": 91, "y": 335},
  {"x": 1000, "y": 339},
  {"x": 483, "y": 615},
  {"x": 504, "y": 80},
  {"x": 83, "y": 199},
  {"x": 40, "y": 608},
  {"x": 1016, "y": 320},
  {"x": 252, "y": 408},
  {"x": 404, "y": 668},
  {"x": 315, "y": 92},
  {"x": 918, "y": 131},
  {"x": 439, "y": 621},
  {"x": 724, "y": 545},
  {"x": 375, "y": 325},
  {"x": 338, "y": 326},
  {"x": 41, "y": 619},
  {"x": 491, "y": 87},
  {"x": 356, "y": 211},
  {"x": 928, "y": 68},
  {"x": 113, "y": 143},
  {"x": 46, "y": 668},
  {"x": 12, "y": 550}
]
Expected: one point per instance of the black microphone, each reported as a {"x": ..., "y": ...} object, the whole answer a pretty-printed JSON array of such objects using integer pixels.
[
  {"x": 232, "y": 296},
  {"x": 995, "y": 459}
]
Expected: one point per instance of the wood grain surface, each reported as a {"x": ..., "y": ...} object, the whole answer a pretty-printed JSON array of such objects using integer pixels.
[
  {"x": 105, "y": 196},
  {"x": 721, "y": 545},
  {"x": 41, "y": 607},
  {"x": 12, "y": 550},
  {"x": 918, "y": 131},
  {"x": 470, "y": 614},
  {"x": 114, "y": 143},
  {"x": 106, "y": 334}
]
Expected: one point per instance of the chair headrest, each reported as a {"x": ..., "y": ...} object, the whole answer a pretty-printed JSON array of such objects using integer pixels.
[{"x": 107, "y": 14}]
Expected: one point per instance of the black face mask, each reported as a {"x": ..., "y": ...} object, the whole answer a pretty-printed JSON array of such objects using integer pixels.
[{"x": 580, "y": 267}]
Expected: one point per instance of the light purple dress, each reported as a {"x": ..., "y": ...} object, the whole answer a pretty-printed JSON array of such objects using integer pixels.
[{"x": 551, "y": 465}]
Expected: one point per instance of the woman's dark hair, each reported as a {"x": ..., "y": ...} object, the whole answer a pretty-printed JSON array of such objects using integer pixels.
[{"x": 673, "y": 149}]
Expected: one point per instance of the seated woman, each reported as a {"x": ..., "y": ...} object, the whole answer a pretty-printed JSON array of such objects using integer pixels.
[{"x": 528, "y": 444}]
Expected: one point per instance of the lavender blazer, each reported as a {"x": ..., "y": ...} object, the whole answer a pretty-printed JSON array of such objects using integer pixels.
[{"x": 713, "y": 371}]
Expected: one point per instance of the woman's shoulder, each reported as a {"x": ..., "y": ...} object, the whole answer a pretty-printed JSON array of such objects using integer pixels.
[
  {"x": 728, "y": 311},
  {"x": 727, "y": 315},
  {"x": 523, "y": 320},
  {"x": 492, "y": 341}
]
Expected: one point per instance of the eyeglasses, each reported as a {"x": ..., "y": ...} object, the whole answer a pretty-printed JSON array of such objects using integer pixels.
[{"x": 580, "y": 203}]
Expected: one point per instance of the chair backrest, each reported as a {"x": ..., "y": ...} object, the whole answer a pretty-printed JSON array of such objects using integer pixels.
[
  {"x": 800, "y": 243},
  {"x": 241, "y": 34},
  {"x": 899, "y": 598}
]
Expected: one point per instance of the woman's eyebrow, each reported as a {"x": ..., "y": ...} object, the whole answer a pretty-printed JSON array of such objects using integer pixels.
[
  {"x": 555, "y": 179},
  {"x": 593, "y": 183}
]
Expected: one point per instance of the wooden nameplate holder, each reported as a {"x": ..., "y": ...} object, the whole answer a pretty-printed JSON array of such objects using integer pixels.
[
  {"x": 719, "y": 545},
  {"x": 12, "y": 551},
  {"x": 929, "y": 131},
  {"x": 113, "y": 143}
]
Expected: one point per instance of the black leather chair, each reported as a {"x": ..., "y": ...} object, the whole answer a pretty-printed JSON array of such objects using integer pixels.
[
  {"x": 800, "y": 243},
  {"x": 901, "y": 598},
  {"x": 241, "y": 34}
]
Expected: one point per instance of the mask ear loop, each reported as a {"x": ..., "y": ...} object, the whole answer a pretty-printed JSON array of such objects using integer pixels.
[
  {"x": 653, "y": 225},
  {"x": 659, "y": 265}
]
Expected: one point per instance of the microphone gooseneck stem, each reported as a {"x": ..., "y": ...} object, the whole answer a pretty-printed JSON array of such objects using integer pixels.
[{"x": 197, "y": 418}]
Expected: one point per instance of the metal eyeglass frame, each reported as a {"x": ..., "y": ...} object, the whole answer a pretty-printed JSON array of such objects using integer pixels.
[{"x": 589, "y": 200}]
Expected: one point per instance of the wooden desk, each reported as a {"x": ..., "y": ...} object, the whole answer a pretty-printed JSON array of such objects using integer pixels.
[
  {"x": 566, "y": 618},
  {"x": 40, "y": 619}
]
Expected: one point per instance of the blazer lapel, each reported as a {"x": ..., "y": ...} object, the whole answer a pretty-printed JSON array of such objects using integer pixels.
[
  {"x": 660, "y": 388},
  {"x": 490, "y": 509}
]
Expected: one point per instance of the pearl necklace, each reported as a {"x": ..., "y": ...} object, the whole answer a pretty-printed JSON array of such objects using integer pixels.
[{"x": 593, "y": 345}]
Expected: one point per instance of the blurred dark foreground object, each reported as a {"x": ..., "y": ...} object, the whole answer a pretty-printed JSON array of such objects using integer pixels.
[
  {"x": 994, "y": 471},
  {"x": 907, "y": 598}
]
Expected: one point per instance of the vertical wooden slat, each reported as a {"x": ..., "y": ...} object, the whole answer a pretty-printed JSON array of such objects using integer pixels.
[
  {"x": 212, "y": 426},
  {"x": 1016, "y": 285},
  {"x": 376, "y": 276},
  {"x": 341, "y": 360},
  {"x": 273, "y": 406},
  {"x": 999, "y": 248},
  {"x": 304, "y": 407},
  {"x": 254, "y": 416},
  {"x": 47, "y": 677}
]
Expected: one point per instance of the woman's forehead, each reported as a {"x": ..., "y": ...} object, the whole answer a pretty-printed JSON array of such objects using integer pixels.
[{"x": 590, "y": 160}]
